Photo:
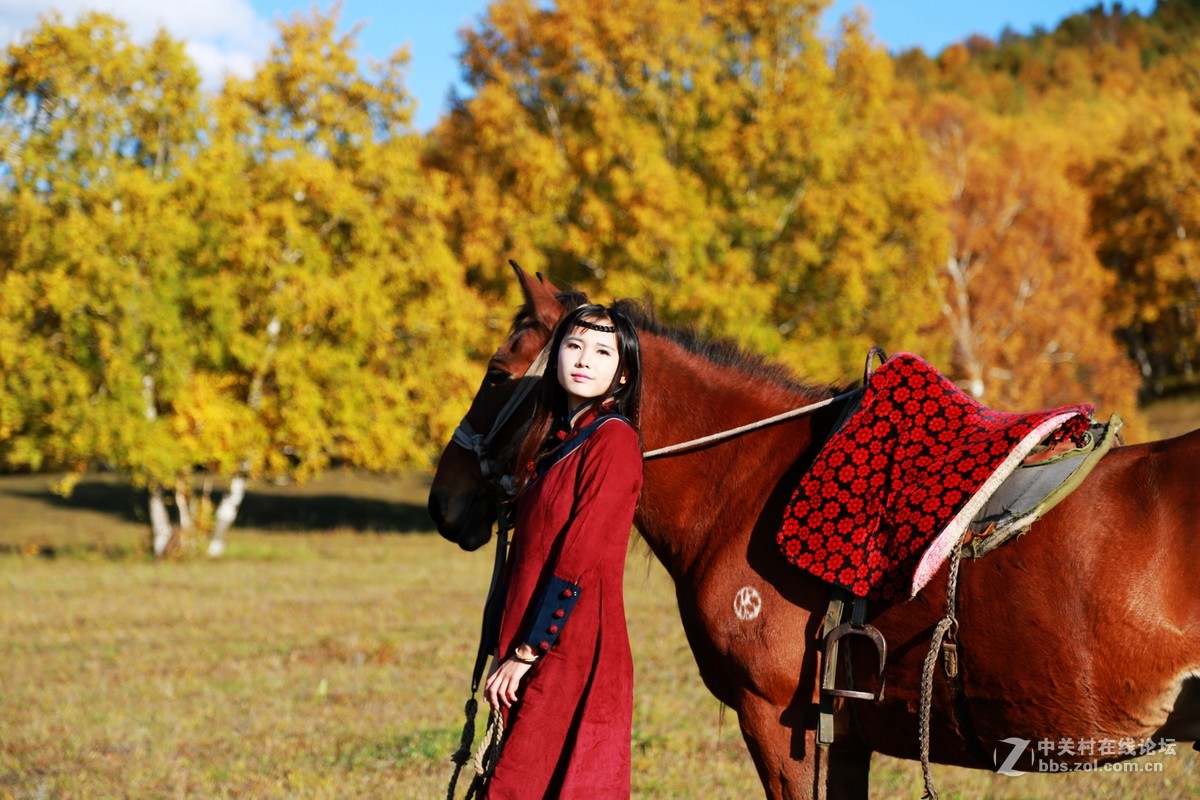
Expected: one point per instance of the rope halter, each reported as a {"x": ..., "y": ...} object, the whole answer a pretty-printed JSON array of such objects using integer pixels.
[{"x": 480, "y": 444}]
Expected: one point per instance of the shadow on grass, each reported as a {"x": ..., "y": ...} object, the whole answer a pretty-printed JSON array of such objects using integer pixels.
[{"x": 268, "y": 510}]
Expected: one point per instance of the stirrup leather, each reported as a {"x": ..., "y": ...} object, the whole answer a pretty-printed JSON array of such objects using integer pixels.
[{"x": 836, "y": 630}]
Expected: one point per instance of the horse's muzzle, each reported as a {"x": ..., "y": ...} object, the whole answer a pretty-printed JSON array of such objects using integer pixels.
[
  {"x": 437, "y": 504},
  {"x": 471, "y": 529}
]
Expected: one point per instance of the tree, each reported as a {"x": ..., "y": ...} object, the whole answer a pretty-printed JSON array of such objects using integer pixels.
[
  {"x": 720, "y": 158},
  {"x": 95, "y": 303},
  {"x": 261, "y": 289},
  {"x": 1024, "y": 295},
  {"x": 1146, "y": 217},
  {"x": 344, "y": 328}
]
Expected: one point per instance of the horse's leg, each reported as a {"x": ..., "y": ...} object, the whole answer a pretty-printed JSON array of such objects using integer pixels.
[
  {"x": 848, "y": 769},
  {"x": 799, "y": 769},
  {"x": 783, "y": 776}
]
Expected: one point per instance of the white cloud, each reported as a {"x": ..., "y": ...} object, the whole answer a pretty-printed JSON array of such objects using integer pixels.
[
  {"x": 222, "y": 36},
  {"x": 214, "y": 63}
]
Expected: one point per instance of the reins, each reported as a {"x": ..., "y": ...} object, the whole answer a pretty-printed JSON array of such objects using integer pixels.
[
  {"x": 466, "y": 437},
  {"x": 762, "y": 423},
  {"x": 873, "y": 353},
  {"x": 479, "y": 444},
  {"x": 501, "y": 488},
  {"x": 484, "y": 760}
]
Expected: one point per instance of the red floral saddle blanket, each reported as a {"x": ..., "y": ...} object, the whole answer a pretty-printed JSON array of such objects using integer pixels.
[{"x": 892, "y": 492}]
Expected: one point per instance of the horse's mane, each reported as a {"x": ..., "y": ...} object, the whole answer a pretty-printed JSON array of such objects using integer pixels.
[{"x": 721, "y": 352}]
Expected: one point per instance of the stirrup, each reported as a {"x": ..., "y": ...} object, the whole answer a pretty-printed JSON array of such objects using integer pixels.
[
  {"x": 835, "y": 630},
  {"x": 829, "y": 679}
]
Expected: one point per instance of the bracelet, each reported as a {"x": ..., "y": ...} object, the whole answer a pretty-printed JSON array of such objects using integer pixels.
[{"x": 520, "y": 660}]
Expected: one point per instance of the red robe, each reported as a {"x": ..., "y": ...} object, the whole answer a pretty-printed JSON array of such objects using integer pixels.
[{"x": 568, "y": 734}]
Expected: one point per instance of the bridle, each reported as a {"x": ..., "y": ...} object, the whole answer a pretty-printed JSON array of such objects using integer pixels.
[
  {"x": 501, "y": 489},
  {"x": 480, "y": 444},
  {"x": 466, "y": 437}
]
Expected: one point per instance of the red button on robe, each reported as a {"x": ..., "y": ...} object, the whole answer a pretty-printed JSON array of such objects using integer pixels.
[{"x": 568, "y": 734}]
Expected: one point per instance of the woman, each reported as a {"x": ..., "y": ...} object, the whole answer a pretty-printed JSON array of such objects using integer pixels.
[{"x": 564, "y": 675}]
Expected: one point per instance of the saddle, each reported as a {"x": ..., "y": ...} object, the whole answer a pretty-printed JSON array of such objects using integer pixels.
[
  {"x": 913, "y": 472},
  {"x": 1042, "y": 481}
]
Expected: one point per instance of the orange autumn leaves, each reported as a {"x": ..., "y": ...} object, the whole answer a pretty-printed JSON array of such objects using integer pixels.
[{"x": 1024, "y": 294}]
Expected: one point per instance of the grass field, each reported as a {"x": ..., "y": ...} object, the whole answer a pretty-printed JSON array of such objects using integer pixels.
[{"x": 327, "y": 656}]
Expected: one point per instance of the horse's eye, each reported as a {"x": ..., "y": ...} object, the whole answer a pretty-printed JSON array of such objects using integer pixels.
[{"x": 495, "y": 377}]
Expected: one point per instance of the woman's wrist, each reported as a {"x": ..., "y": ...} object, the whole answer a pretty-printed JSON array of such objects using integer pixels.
[{"x": 526, "y": 654}]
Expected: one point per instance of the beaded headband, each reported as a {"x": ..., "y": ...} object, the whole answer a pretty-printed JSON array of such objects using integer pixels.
[{"x": 583, "y": 323}]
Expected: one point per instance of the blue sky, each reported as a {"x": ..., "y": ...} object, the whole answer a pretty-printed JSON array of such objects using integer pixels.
[{"x": 230, "y": 35}]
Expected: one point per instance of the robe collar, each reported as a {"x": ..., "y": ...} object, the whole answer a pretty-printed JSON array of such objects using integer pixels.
[
  {"x": 566, "y": 437},
  {"x": 567, "y": 425}
]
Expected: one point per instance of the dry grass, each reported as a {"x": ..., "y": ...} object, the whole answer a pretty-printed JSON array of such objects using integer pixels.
[
  {"x": 328, "y": 656},
  {"x": 1173, "y": 417}
]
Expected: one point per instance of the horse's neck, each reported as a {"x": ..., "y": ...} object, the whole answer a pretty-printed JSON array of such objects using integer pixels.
[{"x": 689, "y": 498}]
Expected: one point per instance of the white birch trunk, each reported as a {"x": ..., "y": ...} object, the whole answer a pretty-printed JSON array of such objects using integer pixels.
[
  {"x": 226, "y": 513},
  {"x": 958, "y": 312},
  {"x": 185, "y": 510},
  {"x": 160, "y": 522},
  {"x": 227, "y": 509}
]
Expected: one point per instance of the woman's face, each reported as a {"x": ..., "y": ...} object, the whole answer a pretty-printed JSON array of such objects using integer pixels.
[{"x": 587, "y": 364}]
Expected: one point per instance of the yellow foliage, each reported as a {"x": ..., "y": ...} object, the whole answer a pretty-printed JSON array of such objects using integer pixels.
[
  {"x": 1147, "y": 223},
  {"x": 259, "y": 287},
  {"x": 290, "y": 277},
  {"x": 709, "y": 157},
  {"x": 350, "y": 328},
  {"x": 89, "y": 244}
]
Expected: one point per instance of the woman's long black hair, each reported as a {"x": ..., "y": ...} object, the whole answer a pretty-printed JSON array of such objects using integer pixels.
[{"x": 621, "y": 398}]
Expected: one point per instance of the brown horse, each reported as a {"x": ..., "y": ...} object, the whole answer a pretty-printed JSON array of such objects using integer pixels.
[{"x": 1085, "y": 628}]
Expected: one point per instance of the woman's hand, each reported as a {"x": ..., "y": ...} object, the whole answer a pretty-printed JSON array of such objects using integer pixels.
[{"x": 503, "y": 682}]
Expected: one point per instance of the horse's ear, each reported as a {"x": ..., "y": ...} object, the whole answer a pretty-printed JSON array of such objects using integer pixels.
[
  {"x": 539, "y": 296},
  {"x": 553, "y": 289},
  {"x": 523, "y": 282}
]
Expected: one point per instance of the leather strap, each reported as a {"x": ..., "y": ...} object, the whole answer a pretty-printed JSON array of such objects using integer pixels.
[{"x": 833, "y": 618}]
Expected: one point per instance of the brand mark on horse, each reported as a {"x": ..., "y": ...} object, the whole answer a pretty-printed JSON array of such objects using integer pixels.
[{"x": 747, "y": 604}]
